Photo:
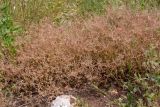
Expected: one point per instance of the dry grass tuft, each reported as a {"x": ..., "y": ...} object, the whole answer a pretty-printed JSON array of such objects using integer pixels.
[{"x": 52, "y": 59}]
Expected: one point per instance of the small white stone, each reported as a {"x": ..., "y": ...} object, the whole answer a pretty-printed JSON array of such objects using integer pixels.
[{"x": 63, "y": 101}]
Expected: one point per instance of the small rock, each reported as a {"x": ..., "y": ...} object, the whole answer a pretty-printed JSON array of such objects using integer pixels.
[{"x": 64, "y": 101}]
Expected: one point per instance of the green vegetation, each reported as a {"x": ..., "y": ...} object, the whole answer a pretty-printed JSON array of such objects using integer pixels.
[
  {"x": 89, "y": 6},
  {"x": 81, "y": 103},
  {"x": 136, "y": 4},
  {"x": 58, "y": 10},
  {"x": 27, "y": 11},
  {"x": 8, "y": 29},
  {"x": 141, "y": 91}
]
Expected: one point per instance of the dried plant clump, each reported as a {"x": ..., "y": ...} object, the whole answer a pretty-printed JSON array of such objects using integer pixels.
[{"x": 51, "y": 59}]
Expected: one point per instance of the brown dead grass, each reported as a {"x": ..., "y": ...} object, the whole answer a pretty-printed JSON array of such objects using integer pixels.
[{"x": 52, "y": 59}]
